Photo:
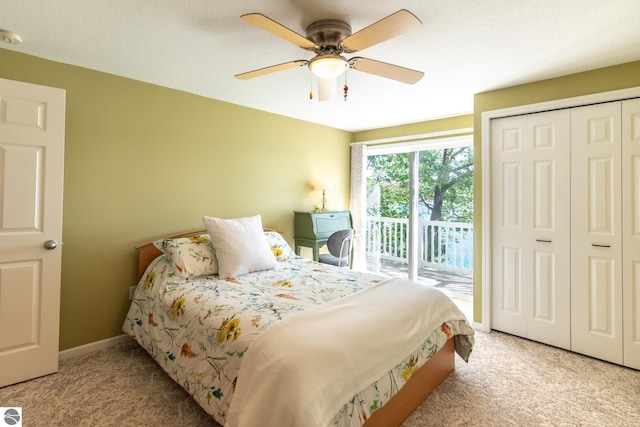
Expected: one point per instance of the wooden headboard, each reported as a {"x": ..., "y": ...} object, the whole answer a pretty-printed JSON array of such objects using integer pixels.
[{"x": 147, "y": 252}]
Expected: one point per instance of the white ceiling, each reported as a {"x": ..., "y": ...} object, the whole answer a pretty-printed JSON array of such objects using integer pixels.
[{"x": 464, "y": 47}]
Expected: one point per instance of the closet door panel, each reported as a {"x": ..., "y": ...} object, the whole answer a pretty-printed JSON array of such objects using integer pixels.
[
  {"x": 632, "y": 315},
  {"x": 512, "y": 195},
  {"x": 543, "y": 286},
  {"x": 601, "y": 196},
  {"x": 543, "y": 189},
  {"x": 510, "y": 227},
  {"x": 511, "y": 278},
  {"x": 549, "y": 296},
  {"x": 596, "y": 270},
  {"x": 631, "y": 230},
  {"x": 601, "y": 286},
  {"x": 530, "y": 226}
]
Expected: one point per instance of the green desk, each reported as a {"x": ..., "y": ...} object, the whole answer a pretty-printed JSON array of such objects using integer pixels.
[{"x": 312, "y": 229}]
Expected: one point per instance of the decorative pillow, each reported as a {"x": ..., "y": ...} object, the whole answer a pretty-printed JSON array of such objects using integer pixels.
[
  {"x": 240, "y": 245},
  {"x": 190, "y": 256},
  {"x": 279, "y": 247}
]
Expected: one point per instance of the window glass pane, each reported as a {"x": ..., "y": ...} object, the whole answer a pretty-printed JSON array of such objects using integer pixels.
[
  {"x": 445, "y": 209},
  {"x": 387, "y": 213}
]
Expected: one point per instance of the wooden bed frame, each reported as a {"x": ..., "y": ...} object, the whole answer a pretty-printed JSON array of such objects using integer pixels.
[{"x": 403, "y": 403}]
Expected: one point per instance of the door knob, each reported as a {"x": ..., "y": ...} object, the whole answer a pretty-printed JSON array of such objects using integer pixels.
[{"x": 50, "y": 244}]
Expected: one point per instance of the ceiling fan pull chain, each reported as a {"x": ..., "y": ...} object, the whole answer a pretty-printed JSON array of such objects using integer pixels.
[
  {"x": 346, "y": 88},
  {"x": 310, "y": 84}
]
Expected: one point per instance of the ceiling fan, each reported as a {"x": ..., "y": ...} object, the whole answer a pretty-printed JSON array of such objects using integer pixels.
[{"x": 329, "y": 39}]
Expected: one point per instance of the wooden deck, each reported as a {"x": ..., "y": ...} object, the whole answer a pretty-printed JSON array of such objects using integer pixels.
[
  {"x": 457, "y": 286},
  {"x": 447, "y": 281}
]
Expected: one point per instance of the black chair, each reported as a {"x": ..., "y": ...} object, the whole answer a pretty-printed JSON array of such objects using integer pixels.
[{"x": 340, "y": 244}]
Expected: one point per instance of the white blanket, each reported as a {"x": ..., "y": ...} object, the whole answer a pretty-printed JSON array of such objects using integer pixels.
[{"x": 301, "y": 371}]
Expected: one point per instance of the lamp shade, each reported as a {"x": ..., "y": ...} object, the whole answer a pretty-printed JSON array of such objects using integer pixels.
[
  {"x": 328, "y": 66},
  {"x": 324, "y": 185}
]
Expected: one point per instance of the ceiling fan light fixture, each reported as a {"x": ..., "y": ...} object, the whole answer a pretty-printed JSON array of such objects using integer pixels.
[{"x": 328, "y": 66}]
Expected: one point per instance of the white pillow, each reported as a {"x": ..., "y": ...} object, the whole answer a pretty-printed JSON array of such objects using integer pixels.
[{"x": 240, "y": 245}]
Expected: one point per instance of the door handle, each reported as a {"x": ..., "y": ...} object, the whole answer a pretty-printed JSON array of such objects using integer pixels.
[
  {"x": 543, "y": 241},
  {"x": 600, "y": 246},
  {"x": 50, "y": 244}
]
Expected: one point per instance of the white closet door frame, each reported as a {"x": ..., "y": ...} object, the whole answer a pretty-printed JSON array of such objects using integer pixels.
[{"x": 487, "y": 116}]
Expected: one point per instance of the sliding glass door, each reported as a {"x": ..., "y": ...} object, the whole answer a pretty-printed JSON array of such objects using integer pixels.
[
  {"x": 419, "y": 213},
  {"x": 387, "y": 213}
]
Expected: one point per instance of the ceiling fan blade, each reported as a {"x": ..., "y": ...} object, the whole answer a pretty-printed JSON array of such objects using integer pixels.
[
  {"x": 384, "y": 69},
  {"x": 275, "y": 28},
  {"x": 272, "y": 69},
  {"x": 393, "y": 25}
]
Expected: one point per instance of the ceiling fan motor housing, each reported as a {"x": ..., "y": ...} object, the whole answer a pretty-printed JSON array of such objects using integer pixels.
[{"x": 328, "y": 34}]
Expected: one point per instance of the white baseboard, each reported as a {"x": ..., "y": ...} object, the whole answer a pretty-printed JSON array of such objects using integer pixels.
[
  {"x": 94, "y": 346},
  {"x": 479, "y": 327}
]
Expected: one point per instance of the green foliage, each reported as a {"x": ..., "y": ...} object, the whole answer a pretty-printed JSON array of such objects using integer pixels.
[
  {"x": 445, "y": 189},
  {"x": 390, "y": 174}
]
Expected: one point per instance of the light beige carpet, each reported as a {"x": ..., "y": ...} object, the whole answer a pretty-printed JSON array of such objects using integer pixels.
[{"x": 508, "y": 382}]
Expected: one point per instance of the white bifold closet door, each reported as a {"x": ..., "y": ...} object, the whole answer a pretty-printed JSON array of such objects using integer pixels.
[
  {"x": 631, "y": 231},
  {"x": 530, "y": 159},
  {"x": 596, "y": 259},
  {"x": 566, "y": 229}
]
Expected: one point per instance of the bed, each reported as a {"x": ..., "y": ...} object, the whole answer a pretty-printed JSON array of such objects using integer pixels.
[{"x": 294, "y": 343}]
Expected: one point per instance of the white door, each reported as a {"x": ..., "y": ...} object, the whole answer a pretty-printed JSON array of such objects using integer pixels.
[
  {"x": 631, "y": 230},
  {"x": 549, "y": 187},
  {"x": 509, "y": 229},
  {"x": 31, "y": 176},
  {"x": 531, "y": 226},
  {"x": 596, "y": 267}
]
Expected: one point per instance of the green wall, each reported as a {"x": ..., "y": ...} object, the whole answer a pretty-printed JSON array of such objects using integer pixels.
[
  {"x": 421, "y": 128},
  {"x": 601, "y": 80},
  {"x": 142, "y": 161}
]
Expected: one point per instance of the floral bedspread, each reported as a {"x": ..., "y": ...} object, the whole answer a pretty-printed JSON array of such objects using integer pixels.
[{"x": 199, "y": 330}]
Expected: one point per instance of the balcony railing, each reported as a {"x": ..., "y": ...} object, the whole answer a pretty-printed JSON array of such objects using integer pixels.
[{"x": 445, "y": 245}]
